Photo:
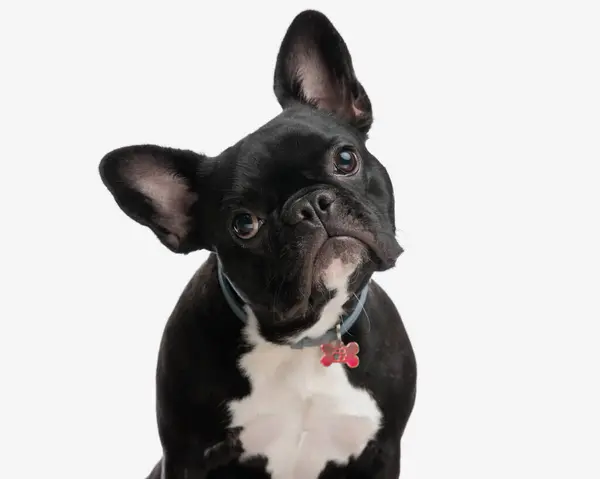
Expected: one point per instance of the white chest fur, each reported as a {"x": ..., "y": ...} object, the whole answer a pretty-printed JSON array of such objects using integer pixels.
[{"x": 299, "y": 414}]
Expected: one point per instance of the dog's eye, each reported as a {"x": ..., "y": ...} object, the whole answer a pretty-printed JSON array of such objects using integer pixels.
[
  {"x": 245, "y": 225},
  {"x": 345, "y": 161}
]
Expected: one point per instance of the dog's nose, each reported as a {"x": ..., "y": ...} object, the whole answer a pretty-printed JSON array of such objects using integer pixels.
[{"x": 314, "y": 207}]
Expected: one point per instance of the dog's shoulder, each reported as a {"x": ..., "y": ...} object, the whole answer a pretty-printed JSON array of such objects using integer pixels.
[
  {"x": 196, "y": 335},
  {"x": 388, "y": 363}
]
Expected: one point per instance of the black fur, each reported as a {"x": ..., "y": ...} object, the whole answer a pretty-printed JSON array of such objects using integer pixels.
[{"x": 284, "y": 174}]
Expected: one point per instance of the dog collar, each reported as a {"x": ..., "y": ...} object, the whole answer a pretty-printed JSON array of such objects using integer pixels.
[{"x": 236, "y": 301}]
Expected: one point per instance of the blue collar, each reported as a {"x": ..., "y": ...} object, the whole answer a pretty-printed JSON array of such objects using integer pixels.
[{"x": 237, "y": 306}]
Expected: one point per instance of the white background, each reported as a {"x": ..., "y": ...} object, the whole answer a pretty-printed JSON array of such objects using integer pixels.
[{"x": 488, "y": 119}]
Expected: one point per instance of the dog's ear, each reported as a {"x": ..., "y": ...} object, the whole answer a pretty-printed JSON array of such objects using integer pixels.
[
  {"x": 160, "y": 188},
  {"x": 314, "y": 67}
]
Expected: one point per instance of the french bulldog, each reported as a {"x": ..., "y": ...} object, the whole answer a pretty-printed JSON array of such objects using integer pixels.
[{"x": 282, "y": 359}]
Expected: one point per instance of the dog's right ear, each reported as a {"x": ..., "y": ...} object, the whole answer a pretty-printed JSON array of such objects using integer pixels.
[
  {"x": 314, "y": 67},
  {"x": 160, "y": 188}
]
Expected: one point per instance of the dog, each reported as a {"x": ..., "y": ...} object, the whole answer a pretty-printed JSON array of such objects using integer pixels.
[{"x": 282, "y": 359}]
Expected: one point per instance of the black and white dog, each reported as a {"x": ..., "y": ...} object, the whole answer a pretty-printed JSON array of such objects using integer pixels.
[{"x": 282, "y": 358}]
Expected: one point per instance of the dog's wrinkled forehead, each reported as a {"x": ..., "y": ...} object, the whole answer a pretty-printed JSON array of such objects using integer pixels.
[{"x": 290, "y": 152}]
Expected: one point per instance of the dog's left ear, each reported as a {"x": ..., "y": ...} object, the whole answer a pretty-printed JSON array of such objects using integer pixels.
[
  {"x": 161, "y": 188},
  {"x": 314, "y": 67}
]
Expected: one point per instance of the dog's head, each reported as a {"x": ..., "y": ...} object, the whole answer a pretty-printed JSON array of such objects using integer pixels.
[{"x": 297, "y": 210}]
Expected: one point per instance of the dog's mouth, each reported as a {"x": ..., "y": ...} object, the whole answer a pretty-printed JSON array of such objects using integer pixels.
[
  {"x": 331, "y": 259},
  {"x": 350, "y": 252},
  {"x": 381, "y": 256}
]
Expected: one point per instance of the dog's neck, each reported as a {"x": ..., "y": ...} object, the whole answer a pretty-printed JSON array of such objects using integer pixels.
[{"x": 237, "y": 302}]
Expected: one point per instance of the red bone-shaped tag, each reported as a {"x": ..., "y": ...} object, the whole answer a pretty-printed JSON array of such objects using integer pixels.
[{"x": 338, "y": 352}]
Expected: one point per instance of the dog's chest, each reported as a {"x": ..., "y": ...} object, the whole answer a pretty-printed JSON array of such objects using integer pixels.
[{"x": 299, "y": 414}]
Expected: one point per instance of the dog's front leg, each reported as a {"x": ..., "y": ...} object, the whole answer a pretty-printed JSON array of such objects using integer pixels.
[
  {"x": 217, "y": 455},
  {"x": 225, "y": 451},
  {"x": 380, "y": 460},
  {"x": 173, "y": 468}
]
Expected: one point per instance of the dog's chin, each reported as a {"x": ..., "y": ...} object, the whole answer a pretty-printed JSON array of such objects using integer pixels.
[{"x": 337, "y": 260}]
